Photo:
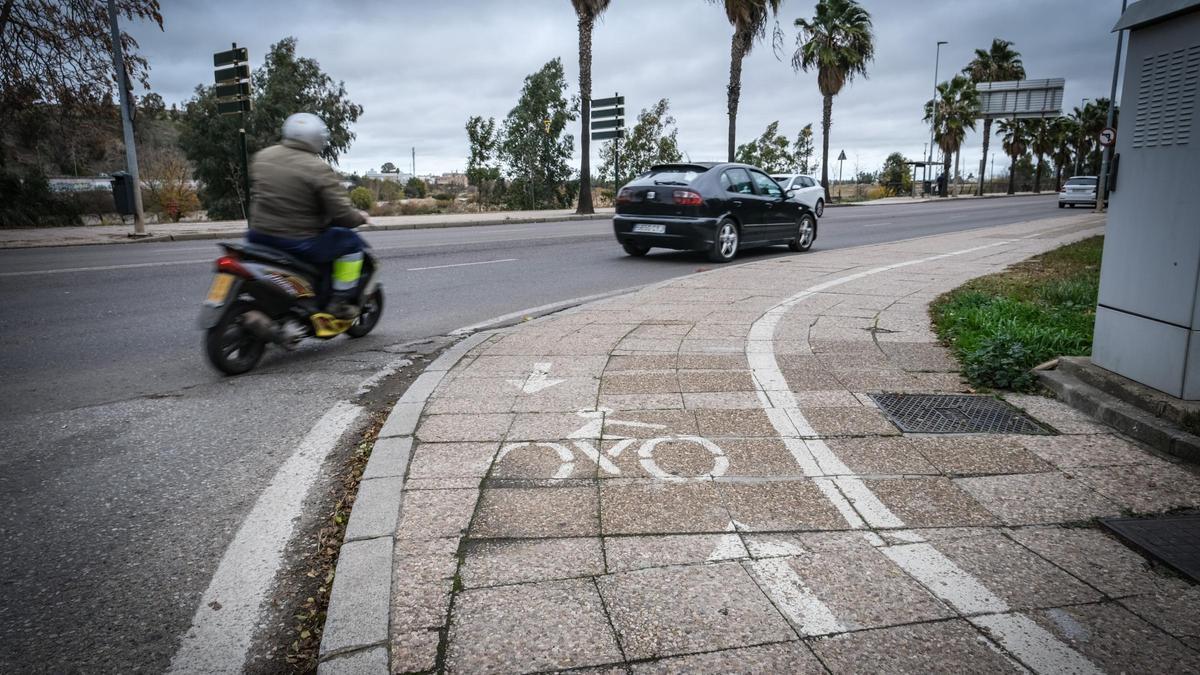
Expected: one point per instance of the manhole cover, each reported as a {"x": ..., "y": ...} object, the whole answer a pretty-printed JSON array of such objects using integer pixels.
[
  {"x": 1175, "y": 540},
  {"x": 955, "y": 414}
]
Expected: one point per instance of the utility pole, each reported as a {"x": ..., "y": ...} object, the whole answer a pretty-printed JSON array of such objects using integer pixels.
[
  {"x": 1079, "y": 148},
  {"x": 414, "y": 161},
  {"x": 131, "y": 162},
  {"x": 1105, "y": 157},
  {"x": 933, "y": 127}
]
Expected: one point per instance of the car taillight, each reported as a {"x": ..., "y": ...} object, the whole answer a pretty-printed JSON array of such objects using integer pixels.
[
  {"x": 625, "y": 196},
  {"x": 687, "y": 198},
  {"x": 231, "y": 265}
]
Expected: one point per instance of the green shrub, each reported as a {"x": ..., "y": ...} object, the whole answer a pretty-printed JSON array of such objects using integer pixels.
[{"x": 361, "y": 198}]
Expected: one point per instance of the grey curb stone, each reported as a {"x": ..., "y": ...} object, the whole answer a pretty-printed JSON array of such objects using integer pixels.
[
  {"x": 423, "y": 386},
  {"x": 358, "y": 604},
  {"x": 376, "y": 510},
  {"x": 373, "y": 660},
  {"x": 389, "y": 457},
  {"x": 402, "y": 421},
  {"x": 356, "y": 624}
]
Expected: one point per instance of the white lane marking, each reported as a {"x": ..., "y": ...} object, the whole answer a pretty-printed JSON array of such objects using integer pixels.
[
  {"x": 229, "y": 610},
  {"x": 105, "y": 268},
  {"x": 794, "y": 598},
  {"x": 537, "y": 380},
  {"x": 1037, "y": 648},
  {"x": 373, "y": 381},
  {"x": 442, "y": 267}
]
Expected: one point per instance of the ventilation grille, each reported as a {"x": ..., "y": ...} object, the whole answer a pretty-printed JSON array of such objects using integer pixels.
[
  {"x": 954, "y": 414},
  {"x": 1166, "y": 98}
]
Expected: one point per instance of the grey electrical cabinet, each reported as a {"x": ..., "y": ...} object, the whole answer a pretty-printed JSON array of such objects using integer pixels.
[{"x": 1148, "y": 318}]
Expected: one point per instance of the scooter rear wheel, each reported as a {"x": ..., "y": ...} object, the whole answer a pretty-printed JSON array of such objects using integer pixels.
[
  {"x": 231, "y": 348},
  {"x": 368, "y": 317}
]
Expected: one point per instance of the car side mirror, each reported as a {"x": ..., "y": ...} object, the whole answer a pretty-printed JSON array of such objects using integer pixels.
[{"x": 791, "y": 192}]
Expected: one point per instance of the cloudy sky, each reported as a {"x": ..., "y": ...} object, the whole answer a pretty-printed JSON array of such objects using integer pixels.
[{"x": 420, "y": 69}]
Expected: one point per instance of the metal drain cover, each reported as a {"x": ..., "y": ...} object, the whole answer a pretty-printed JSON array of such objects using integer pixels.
[
  {"x": 955, "y": 414},
  {"x": 1175, "y": 540}
]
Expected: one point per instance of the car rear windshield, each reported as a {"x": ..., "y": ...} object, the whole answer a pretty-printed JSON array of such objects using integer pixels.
[
  {"x": 671, "y": 176},
  {"x": 1082, "y": 181}
]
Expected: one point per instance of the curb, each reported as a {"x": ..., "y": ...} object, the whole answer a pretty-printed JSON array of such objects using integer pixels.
[
  {"x": 226, "y": 234},
  {"x": 940, "y": 200},
  {"x": 355, "y": 638}
]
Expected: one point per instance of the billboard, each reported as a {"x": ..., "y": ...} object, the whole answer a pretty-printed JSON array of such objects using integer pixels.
[{"x": 1021, "y": 99}]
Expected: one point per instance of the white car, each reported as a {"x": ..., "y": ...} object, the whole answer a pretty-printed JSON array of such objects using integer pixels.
[
  {"x": 808, "y": 190},
  {"x": 1079, "y": 190}
]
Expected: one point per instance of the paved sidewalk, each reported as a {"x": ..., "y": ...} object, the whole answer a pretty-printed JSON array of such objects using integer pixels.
[
  {"x": 691, "y": 478},
  {"x": 224, "y": 229}
]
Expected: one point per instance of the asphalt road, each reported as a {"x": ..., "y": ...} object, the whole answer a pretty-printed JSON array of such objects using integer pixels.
[{"x": 127, "y": 464}]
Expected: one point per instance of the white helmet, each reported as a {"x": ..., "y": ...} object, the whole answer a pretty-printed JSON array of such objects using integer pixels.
[{"x": 308, "y": 130}]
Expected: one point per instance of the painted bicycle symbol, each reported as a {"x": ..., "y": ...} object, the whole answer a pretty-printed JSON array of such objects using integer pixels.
[{"x": 583, "y": 442}]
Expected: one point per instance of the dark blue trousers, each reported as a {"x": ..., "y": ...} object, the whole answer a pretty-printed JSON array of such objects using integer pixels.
[{"x": 320, "y": 250}]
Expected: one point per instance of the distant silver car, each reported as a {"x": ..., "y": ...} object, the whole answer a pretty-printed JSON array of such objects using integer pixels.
[
  {"x": 1079, "y": 190},
  {"x": 807, "y": 190}
]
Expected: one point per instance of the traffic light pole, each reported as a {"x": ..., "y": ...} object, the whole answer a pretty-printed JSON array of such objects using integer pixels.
[{"x": 131, "y": 162}]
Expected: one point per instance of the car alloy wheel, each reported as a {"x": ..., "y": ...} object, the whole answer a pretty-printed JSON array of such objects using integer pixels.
[
  {"x": 820, "y": 209},
  {"x": 806, "y": 232},
  {"x": 726, "y": 245}
]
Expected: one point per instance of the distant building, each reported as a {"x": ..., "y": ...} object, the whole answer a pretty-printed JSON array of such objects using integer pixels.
[
  {"x": 399, "y": 177},
  {"x": 453, "y": 179}
]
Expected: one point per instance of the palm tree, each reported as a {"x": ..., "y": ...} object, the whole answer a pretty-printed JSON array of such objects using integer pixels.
[
  {"x": 839, "y": 44},
  {"x": 749, "y": 21},
  {"x": 1000, "y": 63},
  {"x": 587, "y": 11},
  {"x": 1041, "y": 142},
  {"x": 1015, "y": 141},
  {"x": 1063, "y": 130},
  {"x": 955, "y": 110}
]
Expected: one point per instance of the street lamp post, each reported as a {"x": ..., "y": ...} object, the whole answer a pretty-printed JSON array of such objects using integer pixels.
[
  {"x": 131, "y": 162},
  {"x": 933, "y": 127},
  {"x": 1106, "y": 154},
  {"x": 1079, "y": 146}
]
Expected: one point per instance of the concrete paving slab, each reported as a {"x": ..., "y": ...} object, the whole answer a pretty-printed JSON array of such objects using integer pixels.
[
  {"x": 721, "y": 400},
  {"x": 550, "y": 426},
  {"x": 950, "y": 647},
  {"x": 783, "y": 657},
  {"x": 1116, "y": 640},
  {"x": 669, "y": 421},
  {"x": 657, "y": 382},
  {"x": 444, "y": 460},
  {"x": 638, "y": 552},
  {"x": 735, "y": 424},
  {"x": 1019, "y": 577},
  {"x": 1094, "y": 450},
  {"x": 930, "y": 502},
  {"x": 516, "y": 561},
  {"x": 414, "y": 652},
  {"x": 537, "y": 512},
  {"x": 856, "y": 421},
  {"x": 1098, "y": 560},
  {"x": 569, "y": 394},
  {"x": 1173, "y": 612},
  {"x": 875, "y": 455},
  {"x": 1037, "y": 498},
  {"x": 431, "y": 514},
  {"x": 1062, "y": 417},
  {"x": 457, "y": 428},
  {"x": 712, "y": 381},
  {"x": 657, "y": 507},
  {"x": 961, "y": 455},
  {"x": 678, "y": 610},
  {"x": 1152, "y": 487},
  {"x": 419, "y": 605},
  {"x": 806, "y": 379},
  {"x": 670, "y": 401},
  {"x": 541, "y": 462},
  {"x": 530, "y": 627},
  {"x": 781, "y": 505}
]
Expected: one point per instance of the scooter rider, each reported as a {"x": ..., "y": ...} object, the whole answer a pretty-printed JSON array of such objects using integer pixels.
[{"x": 298, "y": 206}]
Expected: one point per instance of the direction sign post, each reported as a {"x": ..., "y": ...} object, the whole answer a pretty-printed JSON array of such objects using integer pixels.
[
  {"x": 232, "y": 76},
  {"x": 608, "y": 115}
]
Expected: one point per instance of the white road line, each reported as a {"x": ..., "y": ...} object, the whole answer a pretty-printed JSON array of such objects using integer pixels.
[
  {"x": 799, "y": 604},
  {"x": 229, "y": 611},
  {"x": 442, "y": 267},
  {"x": 1032, "y": 645},
  {"x": 105, "y": 268}
]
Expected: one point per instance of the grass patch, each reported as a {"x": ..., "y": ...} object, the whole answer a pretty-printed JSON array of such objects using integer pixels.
[{"x": 1000, "y": 326}]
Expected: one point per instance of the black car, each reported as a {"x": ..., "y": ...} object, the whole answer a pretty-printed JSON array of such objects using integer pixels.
[{"x": 709, "y": 206}]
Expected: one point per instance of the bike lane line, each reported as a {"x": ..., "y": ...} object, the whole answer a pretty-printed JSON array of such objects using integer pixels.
[{"x": 1031, "y": 644}]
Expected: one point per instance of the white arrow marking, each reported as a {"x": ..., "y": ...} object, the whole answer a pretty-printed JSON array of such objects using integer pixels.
[{"x": 537, "y": 380}]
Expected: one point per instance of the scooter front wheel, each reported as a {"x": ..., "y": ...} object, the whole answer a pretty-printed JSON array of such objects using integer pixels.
[
  {"x": 368, "y": 317},
  {"x": 230, "y": 347}
]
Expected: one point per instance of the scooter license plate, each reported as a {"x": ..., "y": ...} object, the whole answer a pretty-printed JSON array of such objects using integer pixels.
[{"x": 219, "y": 289}]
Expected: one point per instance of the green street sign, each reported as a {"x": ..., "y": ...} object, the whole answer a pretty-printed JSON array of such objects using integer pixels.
[
  {"x": 608, "y": 112},
  {"x": 616, "y": 123},
  {"x": 230, "y": 56},
  {"x": 607, "y": 135},
  {"x": 235, "y": 73},
  {"x": 605, "y": 102},
  {"x": 235, "y": 89},
  {"x": 234, "y": 107}
]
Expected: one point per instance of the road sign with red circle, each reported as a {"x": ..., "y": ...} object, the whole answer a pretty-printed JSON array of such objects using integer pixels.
[{"x": 1108, "y": 136}]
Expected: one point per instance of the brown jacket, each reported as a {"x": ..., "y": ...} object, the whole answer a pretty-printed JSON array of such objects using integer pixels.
[{"x": 294, "y": 194}]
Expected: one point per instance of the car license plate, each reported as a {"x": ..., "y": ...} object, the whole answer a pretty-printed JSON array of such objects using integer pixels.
[
  {"x": 648, "y": 228},
  {"x": 219, "y": 289}
]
